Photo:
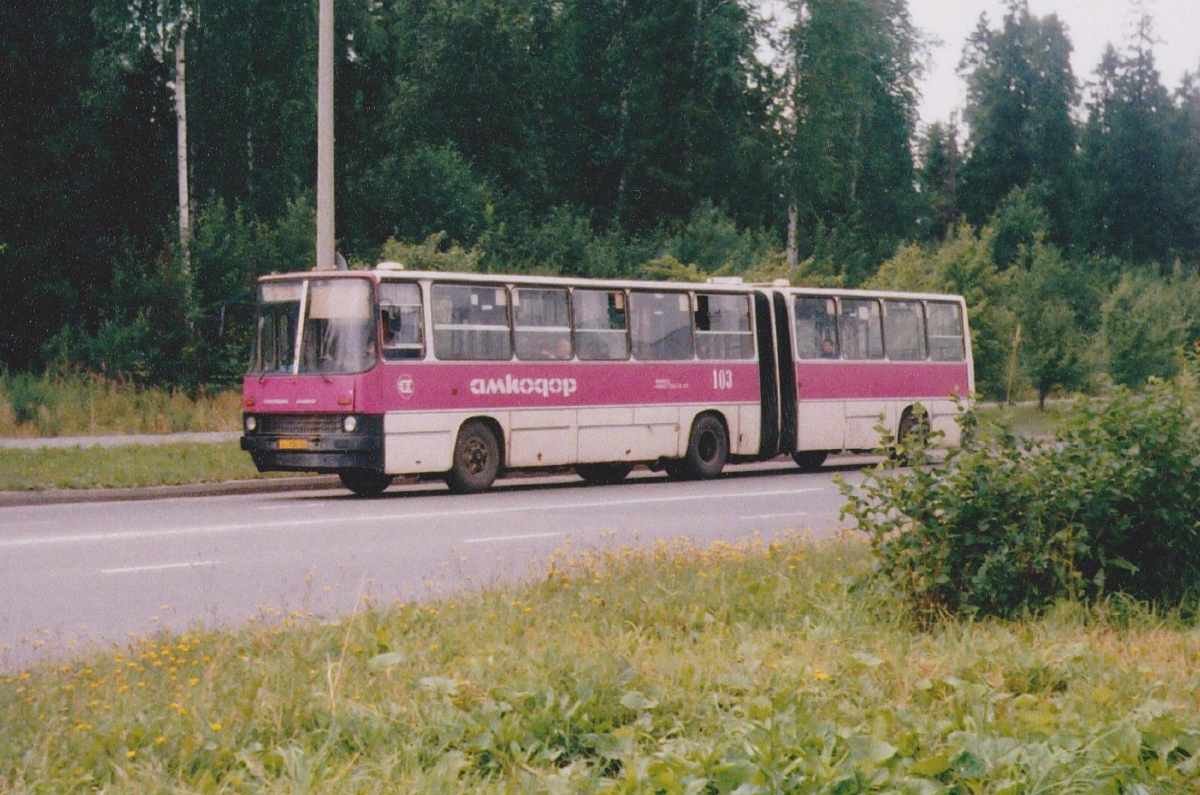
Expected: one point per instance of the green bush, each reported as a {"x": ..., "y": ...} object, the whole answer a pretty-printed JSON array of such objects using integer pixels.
[{"x": 1008, "y": 525}]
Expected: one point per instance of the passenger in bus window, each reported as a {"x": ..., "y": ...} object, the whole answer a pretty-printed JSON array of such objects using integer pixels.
[
  {"x": 827, "y": 349},
  {"x": 560, "y": 351}
]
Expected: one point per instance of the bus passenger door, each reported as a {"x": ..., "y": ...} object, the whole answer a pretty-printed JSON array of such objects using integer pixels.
[
  {"x": 788, "y": 427},
  {"x": 768, "y": 377}
]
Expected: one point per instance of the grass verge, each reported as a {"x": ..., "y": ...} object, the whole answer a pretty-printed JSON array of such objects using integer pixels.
[
  {"x": 673, "y": 669},
  {"x": 124, "y": 467},
  {"x": 174, "y": 464}
]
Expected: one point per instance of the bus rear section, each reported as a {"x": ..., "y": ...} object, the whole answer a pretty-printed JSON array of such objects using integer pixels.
[
  {"x": 469, "y": 376},
  {"x": 865, "y": 359}
]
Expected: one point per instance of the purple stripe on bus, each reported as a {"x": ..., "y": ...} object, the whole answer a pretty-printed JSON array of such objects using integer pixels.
[
  {"x": 450, "y": 386},
  {"x": 880, "y": 380}
]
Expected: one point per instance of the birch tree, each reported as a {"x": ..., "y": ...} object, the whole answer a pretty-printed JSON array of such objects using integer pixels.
[
  {"x": 850, "y": 119},
  {"x": 160, "y": 27}
]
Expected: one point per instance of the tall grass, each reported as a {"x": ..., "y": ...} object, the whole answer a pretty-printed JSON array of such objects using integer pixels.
[
  {"x": 70, "y": 404},
  {"x": 748, "y": 669}
]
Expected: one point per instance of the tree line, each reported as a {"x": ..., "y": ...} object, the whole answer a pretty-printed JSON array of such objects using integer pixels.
[{"x": 613, "y": 138}]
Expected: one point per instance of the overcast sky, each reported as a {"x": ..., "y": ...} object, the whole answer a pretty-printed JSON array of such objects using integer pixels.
[{"x": 1091, "y": 25}]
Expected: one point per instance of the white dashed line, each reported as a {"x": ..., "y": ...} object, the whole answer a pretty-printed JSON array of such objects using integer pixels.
[
  {"x": 196, "y": 564},
  {"x": 509, "y": 538}
]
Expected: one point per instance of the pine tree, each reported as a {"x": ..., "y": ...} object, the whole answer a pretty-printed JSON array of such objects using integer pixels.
[
  {"x": 937, "y": 179},
  {"x": 1130, "y": 158},
  {"x": 1020, "y": 91}
]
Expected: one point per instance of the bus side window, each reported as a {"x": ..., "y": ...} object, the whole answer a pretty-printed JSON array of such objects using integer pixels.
[
  {"x": 945, "y": 332},
  {"x": 402, "y": 321},
  {"x": 601, "y": 325},
  {"x": 723, "y": 327},
  {"x": 662, "y": 326},
  {"x": 816, "y": 327},
  {"x": 861, "y": 329},
  {"x": 904, "y": 330},
  {"x": 471, "y": 322},
  {"x": 541, "y": 324}
]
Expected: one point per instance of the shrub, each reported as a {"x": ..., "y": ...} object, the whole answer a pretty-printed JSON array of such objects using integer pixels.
[
  {"x": 1006, "y": 525},
  {"x": 1145, "y": 321},
  {"x": 432, "y": 255}
]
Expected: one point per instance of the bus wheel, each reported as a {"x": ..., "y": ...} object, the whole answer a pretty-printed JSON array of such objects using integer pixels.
[
  {"x": 708, "y": 447},
  {"x": 809, "y": 460},
  {"x": 600, "y": 474},
  {"x": 476, "y": 459},
  {"x": 365, "y": 482},
  {"x": 913, "y": 432}
]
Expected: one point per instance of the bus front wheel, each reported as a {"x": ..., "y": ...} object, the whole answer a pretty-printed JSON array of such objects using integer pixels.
[
  {"x": 365, "y": 482},
  {"x": 708, "y": 447},
  {"x": 476, "y": 459}
]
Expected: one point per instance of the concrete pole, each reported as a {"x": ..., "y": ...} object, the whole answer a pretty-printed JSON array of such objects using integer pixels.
[
  {"x": 325, "y": 216},
  {"x": 181, "y": 163}
]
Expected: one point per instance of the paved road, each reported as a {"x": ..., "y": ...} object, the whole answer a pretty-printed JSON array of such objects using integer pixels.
[{"x": 75, "y": 575}]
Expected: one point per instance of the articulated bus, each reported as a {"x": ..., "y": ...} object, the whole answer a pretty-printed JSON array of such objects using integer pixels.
[{"x": 461, "y": 376}]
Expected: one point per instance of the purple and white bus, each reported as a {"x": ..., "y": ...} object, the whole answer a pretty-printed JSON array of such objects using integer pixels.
[{"x": 463, "y": 376}]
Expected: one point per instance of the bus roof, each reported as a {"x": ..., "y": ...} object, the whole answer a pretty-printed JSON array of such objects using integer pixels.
[{"x": 722, "y": 286}]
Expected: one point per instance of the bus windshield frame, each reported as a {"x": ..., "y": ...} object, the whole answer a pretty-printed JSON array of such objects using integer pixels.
[{"x": 336, "y": 337}]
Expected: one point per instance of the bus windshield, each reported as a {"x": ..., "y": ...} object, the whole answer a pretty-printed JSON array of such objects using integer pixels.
[{"x": 337, "y": 334}]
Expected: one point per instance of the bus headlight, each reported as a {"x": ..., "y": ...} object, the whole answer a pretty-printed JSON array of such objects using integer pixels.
[
  {"x": 350, "y": 424},
  {"x": 251, "y": 423}
]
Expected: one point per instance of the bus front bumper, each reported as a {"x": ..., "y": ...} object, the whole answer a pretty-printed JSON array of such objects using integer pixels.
[{"x": 320, "y": 453}]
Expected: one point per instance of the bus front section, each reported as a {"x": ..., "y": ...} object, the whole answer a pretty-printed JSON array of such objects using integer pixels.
[{"x": 315, "y": 340}]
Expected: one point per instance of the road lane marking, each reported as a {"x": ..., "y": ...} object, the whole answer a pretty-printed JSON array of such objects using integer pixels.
[
  {"x": 775, "y": 515},
  {"x": 137, "y": 535},
  {"x": 510, "y": 538},
  {"x": 195, "y": 564}
]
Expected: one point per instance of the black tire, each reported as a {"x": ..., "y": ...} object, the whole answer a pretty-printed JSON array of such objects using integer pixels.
[
  {"x": 365, "y": 482},
  {"x": 676, "y": 470},
  {"x": 912, "y": 433},
  {"x": 602, "y": 474},
  {"x": 708, "y": 447},
  {"x": 476, "y": 459},
  {"x": 810, "y": 460}
]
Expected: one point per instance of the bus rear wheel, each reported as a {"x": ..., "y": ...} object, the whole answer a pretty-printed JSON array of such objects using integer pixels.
[
  {"x": 476, "y": 459},
  {"x": 601, "y": 474},
  {"x": 365, "y": 482},
  {"x": 708, "y": 447},
  {"x": 913, "y": 434},
  {"x": 810, "y": 460}
]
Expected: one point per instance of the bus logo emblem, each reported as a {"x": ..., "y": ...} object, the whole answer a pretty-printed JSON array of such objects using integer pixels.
[{"x": 405, "y": 386}]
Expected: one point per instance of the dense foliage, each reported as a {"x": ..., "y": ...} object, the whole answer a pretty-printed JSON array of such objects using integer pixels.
[
  {"x": 1007, "y": 526},
  {"x": 585, "y": 138}
]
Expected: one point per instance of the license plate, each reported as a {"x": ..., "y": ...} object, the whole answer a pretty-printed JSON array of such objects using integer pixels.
[{"x": 293, "y": 444}]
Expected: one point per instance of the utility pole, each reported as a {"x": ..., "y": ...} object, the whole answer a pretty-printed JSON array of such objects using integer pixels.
[
  {"x": 325, "y": 225},
  {"x": 181, "y": 163}
]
